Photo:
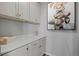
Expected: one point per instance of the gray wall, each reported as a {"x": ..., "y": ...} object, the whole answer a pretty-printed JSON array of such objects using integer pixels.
[
  {"x": 8, "y": 27},
  {"x": 29, "y": 28},
  {"x": 60, "y": 42}
]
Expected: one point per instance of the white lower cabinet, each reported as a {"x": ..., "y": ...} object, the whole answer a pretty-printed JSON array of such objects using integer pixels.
[
  {"x": 35, "y": 48},
  {"x": 18, "y": 52},
  {"x": 43, "y": 45}
]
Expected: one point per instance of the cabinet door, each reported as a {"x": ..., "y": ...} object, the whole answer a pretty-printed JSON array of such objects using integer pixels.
[
  {"x": 18, "y": 52},
  {"x": 4, "y": 8},
  {"x": 43, "y": 45},
  {"x": 24, "y": 10},
  {"x": 35, "y": 11},
  {"x": 12, "y": 9},
  {"x": 33, "y": 49},
  {"x": 7, "y": 8}
]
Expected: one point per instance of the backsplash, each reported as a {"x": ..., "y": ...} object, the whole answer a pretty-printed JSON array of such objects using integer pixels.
[
  {"x": 8, "y": 27},
  {"x": 29, "y": 28}
]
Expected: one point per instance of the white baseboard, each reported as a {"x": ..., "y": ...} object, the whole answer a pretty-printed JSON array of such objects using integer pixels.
[{"x": 49, "y": 54}]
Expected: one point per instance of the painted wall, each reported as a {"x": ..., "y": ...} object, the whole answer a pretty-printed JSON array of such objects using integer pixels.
[
  {"x": 60, "y": 43},
  {"x": 8, "y": 27}
]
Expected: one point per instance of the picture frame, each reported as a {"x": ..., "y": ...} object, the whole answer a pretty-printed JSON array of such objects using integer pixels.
[{"x": 63, "y": 18}]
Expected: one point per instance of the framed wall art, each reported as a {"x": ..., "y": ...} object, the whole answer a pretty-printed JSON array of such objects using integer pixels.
[{"x": 61, "y": 16}]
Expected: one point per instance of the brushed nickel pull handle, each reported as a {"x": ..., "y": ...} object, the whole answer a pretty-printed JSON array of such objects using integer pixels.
[
  {"x": 27, "y": 49},
  {"x": 17, "y": 14}
]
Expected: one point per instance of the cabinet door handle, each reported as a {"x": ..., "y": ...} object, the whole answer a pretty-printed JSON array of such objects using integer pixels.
[
  {"x": 18, "y": 15},
  {"x": 27, "y": 49}
]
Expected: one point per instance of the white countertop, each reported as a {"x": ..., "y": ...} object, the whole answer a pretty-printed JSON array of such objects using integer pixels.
[{"x": 20, "y": 41}]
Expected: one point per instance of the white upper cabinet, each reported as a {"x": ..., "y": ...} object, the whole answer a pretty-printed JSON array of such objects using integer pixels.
[
  {"x": 12, "y": 9},
  {"x": 29, "y": 11},
  {"x": 4, "y": 8},
  {"x": 35, "y": 11},
  {"x": 24, "y": 11},
  {"x": 7, "y": 8}
]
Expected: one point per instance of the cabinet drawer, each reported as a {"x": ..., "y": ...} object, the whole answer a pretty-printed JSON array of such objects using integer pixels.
[{"x": 18, "y": 52}]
